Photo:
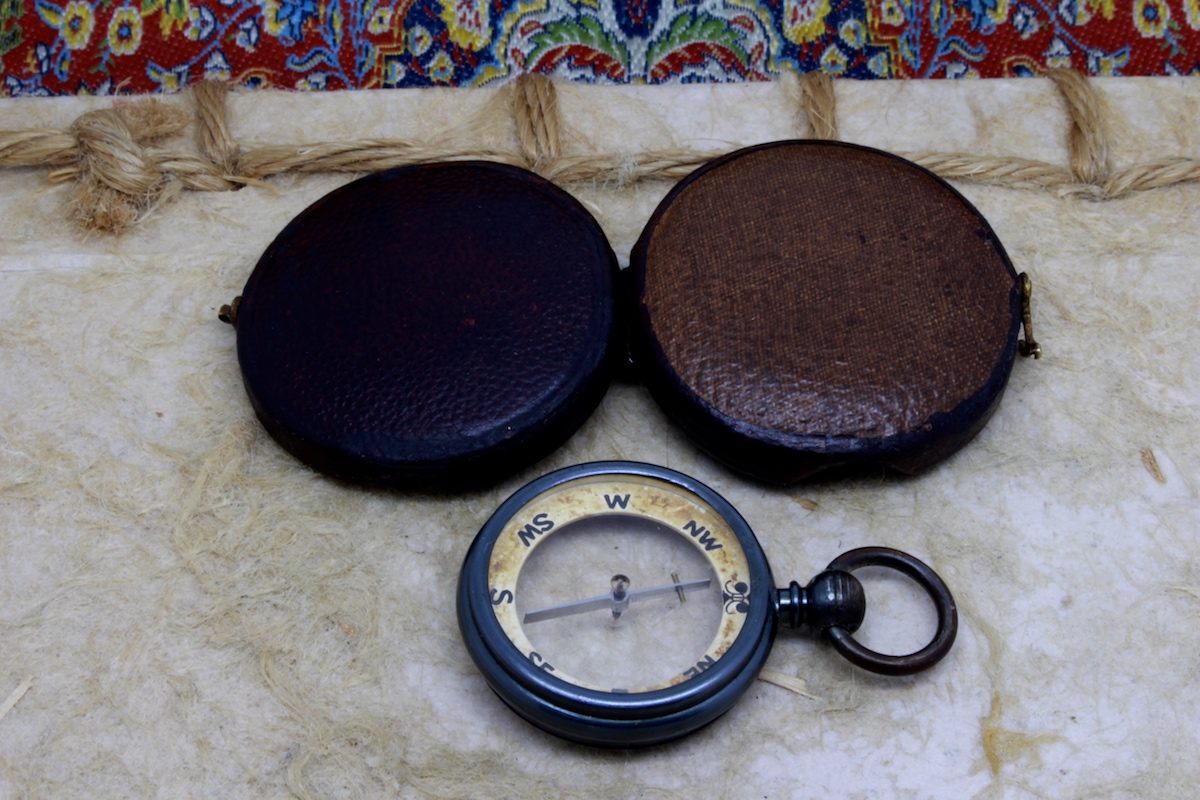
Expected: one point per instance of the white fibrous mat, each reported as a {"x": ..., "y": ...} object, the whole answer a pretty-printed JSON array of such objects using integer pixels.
[{"x": 187, "y": 611}]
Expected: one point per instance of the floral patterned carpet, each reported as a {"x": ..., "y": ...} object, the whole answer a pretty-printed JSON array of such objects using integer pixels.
[{"x": 55, "y": 47}]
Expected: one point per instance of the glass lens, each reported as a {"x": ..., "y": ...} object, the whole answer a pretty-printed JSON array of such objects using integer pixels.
[{"x": 620, "y": 603}]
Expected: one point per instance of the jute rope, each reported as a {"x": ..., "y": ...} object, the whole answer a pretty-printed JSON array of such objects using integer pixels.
[
  {"x": 535, "y": 110},
  {"x": 818, "y": 101},
  {"x": 1088, "y": 137},
  {"x": 1018, "y": 173},
  {"x": 213, "y": 139},
  {"x": 122, "y": 171}
]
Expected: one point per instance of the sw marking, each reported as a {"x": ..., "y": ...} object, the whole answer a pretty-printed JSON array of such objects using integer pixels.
[
  {"x": 541, "y": 524},
  {"x": 702, "y": 535}
]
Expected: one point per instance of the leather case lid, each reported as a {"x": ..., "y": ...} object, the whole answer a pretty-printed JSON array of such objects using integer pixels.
[
  {"x": 436, "y": 325},
  {"x": 803, "y": 305}
]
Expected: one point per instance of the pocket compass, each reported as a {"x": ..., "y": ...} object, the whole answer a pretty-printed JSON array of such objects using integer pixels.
[{"x": 620, "y": 604}]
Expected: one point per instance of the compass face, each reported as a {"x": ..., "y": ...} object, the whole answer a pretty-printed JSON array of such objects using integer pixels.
[
  {"x": 619, "y": 583},
  {"x": 617, "y": 604}
]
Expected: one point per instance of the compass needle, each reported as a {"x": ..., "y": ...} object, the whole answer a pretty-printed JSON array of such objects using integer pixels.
[{"x": 610, "y": 601}]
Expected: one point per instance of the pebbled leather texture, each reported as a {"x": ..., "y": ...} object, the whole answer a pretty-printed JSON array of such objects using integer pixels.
[
  {"x": 801, "y": 305},
  {"x": 441, "y": 325}
]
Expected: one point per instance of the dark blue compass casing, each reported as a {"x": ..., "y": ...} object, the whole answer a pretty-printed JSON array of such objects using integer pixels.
[{"x": 605, "y": 719}]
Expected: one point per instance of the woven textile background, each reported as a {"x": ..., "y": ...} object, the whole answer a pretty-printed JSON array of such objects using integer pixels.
[{"x": 54, "y": 47}]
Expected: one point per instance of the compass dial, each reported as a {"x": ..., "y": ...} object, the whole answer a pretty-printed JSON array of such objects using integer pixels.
[{"x": 618, "y": 583}]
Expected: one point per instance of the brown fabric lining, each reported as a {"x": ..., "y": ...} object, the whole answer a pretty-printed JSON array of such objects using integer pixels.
[{"x": 827, "y": 290}]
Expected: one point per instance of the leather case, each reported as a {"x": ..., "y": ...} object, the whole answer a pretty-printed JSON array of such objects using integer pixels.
[
  {"x": 803, "y": 305},
  {"x": 440, "y": 325}
]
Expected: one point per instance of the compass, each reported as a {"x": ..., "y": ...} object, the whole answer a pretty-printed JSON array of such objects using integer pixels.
[{"x": 620, "y": 604}]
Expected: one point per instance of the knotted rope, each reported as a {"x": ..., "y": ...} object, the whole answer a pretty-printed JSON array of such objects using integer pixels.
[{"x": 123, "y": 171}]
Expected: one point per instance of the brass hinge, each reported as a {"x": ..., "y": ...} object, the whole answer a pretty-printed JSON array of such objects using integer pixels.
[
  {"x": 1028, "y": 346},
  {"x": 229, "y": 313}
]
